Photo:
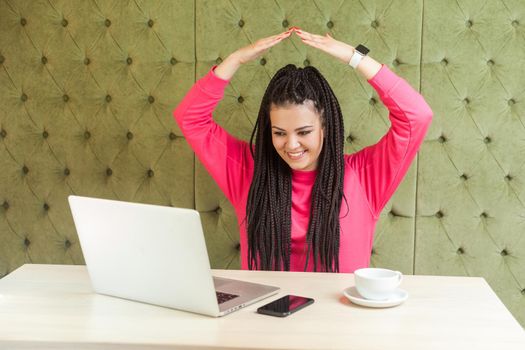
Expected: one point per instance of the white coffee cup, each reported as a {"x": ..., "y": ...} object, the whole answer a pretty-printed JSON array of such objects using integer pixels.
[{"x": 376, "y": 283}]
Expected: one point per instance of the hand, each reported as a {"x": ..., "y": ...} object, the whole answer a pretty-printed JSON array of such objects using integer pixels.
[
  {"x": 229, "y": 66},
  {"x": 255, "y": 50},
  {"x": 328, "y": 44}
]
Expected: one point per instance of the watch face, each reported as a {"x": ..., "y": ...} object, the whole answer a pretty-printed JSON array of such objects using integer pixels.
[{"x": 363, "y": 49}]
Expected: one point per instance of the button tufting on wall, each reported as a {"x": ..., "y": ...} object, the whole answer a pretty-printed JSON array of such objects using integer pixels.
[
  {"x": 484, "y": 215},
  {"x": 25, "y": 169},
  {"x": 129, "y": 60},
  {"x": 218, "y": 210},
  {"x": 150, "y": 173},
  {"x": 67, "y": 172},
  {"x": 285, "y": 23},
  {"x": 487, "y": 140},
  {"x": 102, "y": 62},
  {"x": 504, "y": 252},
  {"x": 241, "y": 23},
  {"x": 2, "y": 59},
  {"x": 23, "y": 97},
  {"x": 64, "y": 22},
  {"x": 151, "y": 99},
  {"x": 107, "y": 22},
  {"x": 468, "y": 23},
  {"x": 65, "y": 98},
  {"x": 3, "y": 133},
  {"x": 67, "y": 244},
  {"x": 5, "y": 205},
  {"x": 240, "y": 99},
  {"x": 306, "y": 62},
  {"x": 46, "y": 206},
  {"x": 23, "y": 21},
  {"x": 45, "y": 134},
  {"x": 439, "y": 214},
  {"x": 466, "y": 101}
]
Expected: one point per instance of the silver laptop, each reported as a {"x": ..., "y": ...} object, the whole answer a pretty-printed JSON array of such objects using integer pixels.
[{"x": 157, "y": 255}]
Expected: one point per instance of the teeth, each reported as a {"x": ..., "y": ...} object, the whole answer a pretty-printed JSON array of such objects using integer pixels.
[{"x": 296, "y": 155}]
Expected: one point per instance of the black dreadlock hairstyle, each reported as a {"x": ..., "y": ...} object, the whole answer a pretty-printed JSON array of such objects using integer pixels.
[{"x": 268, "y": 209}]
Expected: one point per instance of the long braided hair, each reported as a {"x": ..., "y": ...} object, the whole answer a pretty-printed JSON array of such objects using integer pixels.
[{"x": 268, "y": 209}]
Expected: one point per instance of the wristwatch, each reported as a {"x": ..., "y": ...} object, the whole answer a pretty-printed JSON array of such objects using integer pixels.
[{"x": 359, "y": 52}]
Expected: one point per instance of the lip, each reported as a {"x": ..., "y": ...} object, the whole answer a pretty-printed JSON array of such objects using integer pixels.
[{"x": 303, "y": 153}]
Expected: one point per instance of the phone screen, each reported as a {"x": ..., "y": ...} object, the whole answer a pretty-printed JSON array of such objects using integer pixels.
[{"x": 285, "y": 305}]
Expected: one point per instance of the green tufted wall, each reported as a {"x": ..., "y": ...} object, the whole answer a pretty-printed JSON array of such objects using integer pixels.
[{"x": 87, "y": 89}]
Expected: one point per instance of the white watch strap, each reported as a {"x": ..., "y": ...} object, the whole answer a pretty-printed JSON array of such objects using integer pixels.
[{"x": 356, "y": 58}]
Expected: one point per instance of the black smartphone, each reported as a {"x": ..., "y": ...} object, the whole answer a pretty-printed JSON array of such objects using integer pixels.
[{"x": 285, "y": 306}]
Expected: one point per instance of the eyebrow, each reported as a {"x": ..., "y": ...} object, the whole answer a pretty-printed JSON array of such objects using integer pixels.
[{"x": 298, "y": 129}]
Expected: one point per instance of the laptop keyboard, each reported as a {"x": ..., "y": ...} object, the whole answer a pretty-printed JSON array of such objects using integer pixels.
[{"x": 224, "y": 297}]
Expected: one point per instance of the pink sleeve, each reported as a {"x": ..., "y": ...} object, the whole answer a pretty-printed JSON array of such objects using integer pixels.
[
  {"x": 381, "y": 167},
  {"x": 225, "y": 157}
]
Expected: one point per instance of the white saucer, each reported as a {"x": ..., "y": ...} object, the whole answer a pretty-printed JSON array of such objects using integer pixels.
[{"x": 396, "y": 298}]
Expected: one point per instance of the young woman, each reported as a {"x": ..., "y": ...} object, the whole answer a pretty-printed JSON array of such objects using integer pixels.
[{"x": 301, "y": 203}]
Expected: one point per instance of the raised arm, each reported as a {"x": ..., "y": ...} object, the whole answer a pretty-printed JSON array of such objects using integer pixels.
[
  {"x": 381, "y": 167},
  {"x": 225, "y": 157}
]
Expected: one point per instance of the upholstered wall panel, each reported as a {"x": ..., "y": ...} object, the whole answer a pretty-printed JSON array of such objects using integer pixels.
[
  {"x": 86, "y": 93},
  {"x": 471, "y": 212}
]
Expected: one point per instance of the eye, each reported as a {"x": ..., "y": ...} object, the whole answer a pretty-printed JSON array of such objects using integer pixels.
[
  {"x": 278, "y": 133},
  {"x": 303, "y": 133}
]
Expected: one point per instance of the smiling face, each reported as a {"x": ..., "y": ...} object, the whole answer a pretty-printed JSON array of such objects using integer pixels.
[{"x": 297, "y": 135}]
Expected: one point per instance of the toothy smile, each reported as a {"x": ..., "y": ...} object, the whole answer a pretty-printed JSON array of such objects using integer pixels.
[{"x": 295, "y": 155}]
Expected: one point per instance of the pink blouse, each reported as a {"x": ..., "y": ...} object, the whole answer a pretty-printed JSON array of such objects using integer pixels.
[{"x": 371, "y": 175}]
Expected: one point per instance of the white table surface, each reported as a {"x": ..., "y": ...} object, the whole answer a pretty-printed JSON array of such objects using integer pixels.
[{"x": 53, "y": 307}]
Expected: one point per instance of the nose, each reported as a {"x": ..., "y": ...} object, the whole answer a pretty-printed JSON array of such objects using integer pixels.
[{"x": 292, "y": 143}]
